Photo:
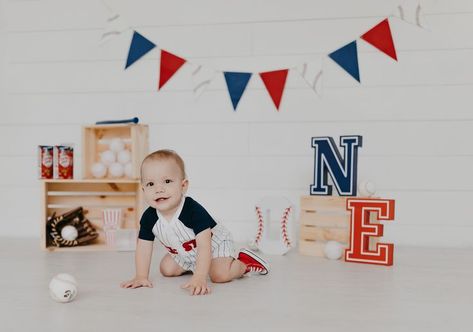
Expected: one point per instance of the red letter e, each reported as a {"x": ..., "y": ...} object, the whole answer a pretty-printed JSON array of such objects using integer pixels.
[{"x": 361, "y": 230}]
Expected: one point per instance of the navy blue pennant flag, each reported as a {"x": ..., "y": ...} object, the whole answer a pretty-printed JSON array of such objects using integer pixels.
[
  {"x": 236, "y": 83},
  {"x": 139, "y": 47},
  {"x": 347, "y": 58}
]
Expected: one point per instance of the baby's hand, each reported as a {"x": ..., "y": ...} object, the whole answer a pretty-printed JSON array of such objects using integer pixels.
[
  {"x": 197, "y": 286},
  {"x": 136, "y": 282}
]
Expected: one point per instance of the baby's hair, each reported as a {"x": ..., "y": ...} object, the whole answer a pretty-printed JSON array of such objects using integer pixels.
[{"x": 165, "y": 154}]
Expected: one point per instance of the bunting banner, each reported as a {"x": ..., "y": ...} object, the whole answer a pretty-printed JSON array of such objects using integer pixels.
[
  {"x": 347, "y": 58},
  {"x": 380, "y": 37},
  {"x": 138, "y": 48},
  {"x": 170, "y": 64},
  {"x": 236, "y": 84},
  {"x": 201, "y": 79},
  {"x": 275, "y": 82},
  {"x": 411, "y": 11},
  {"x": 312, "y": 72}
]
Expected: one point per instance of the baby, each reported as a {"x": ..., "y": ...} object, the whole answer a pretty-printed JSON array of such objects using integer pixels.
[{"x": 195, "y": 242}]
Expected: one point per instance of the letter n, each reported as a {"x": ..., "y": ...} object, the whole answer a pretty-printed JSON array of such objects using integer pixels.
[{"x": 329, "y": 161}]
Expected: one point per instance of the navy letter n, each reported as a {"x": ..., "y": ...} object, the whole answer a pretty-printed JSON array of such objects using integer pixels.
[{"x": 329, "y": 161}]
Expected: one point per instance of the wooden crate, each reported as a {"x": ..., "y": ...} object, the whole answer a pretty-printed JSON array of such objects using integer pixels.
[
  {"x": 322, "y": 219},
  {"x": 95, "y": 140},
  {"x": 93, "y": 195}
]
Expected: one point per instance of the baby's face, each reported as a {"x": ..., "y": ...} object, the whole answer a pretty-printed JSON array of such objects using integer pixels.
[{"x": 163, "y": 185}]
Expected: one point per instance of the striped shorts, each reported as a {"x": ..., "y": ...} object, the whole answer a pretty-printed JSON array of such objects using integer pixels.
[{"x": 222, "y": 246}]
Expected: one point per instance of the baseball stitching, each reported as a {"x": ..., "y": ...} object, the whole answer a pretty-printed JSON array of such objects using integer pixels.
[
  {"x": 259, "y": 232},
  {"x": 284, "y": 221}
]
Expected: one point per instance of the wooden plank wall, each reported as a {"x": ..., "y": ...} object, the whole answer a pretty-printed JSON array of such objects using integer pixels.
[{"x": 415, "y": 115}]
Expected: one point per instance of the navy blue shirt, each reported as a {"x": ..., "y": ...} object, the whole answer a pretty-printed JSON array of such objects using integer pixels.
[{"x": 193, "y": 215}]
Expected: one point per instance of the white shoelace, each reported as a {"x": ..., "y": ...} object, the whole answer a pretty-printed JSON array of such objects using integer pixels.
[{"x": 255, "y": 269}]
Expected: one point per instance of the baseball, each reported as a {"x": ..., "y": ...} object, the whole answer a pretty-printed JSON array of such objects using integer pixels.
[
  {"x": 333, "y": 250},
  {"x": 116, "y": 170},
  {"x": 98, "y": 170},
  {"x": 129, "y": 170},
  {"x": 366, "y": 189},
  {"x": 117, "y": 145},
  {"x": 69, "y": 233},
  {"x": 124, "y": 157},
  {"x": 107, "y": 157},
  {"x": 63, "y": 288}
]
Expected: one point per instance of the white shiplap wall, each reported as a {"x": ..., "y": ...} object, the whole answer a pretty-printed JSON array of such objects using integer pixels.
[
  {"x": 2, "y": 56},
  {"x": 415, "y": 115}
]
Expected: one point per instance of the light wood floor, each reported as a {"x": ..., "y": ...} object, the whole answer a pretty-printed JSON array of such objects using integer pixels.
[{"x": 426, "y": 290}]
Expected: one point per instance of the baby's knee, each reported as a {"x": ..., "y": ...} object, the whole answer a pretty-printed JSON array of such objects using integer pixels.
[
  {"x": 168, "y": 270},
  {"x": 220, "y": 276}
]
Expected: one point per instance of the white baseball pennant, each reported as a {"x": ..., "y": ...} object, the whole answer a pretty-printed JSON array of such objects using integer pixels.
[
  {"x": 312, "y": 72},
  {"x": 201, "y": 79},
  {"x": 411, "y": 11},
  {"x": 275, "y": 230}
]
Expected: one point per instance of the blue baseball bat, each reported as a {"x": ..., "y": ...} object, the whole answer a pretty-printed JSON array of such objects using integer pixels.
[{"x": 132, "y": 120}]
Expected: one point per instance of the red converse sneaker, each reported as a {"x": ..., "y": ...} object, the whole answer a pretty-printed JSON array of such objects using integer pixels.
[{"x": 253, "y": 262}]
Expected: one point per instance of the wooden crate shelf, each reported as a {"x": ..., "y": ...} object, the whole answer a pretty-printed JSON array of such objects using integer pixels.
[
  {"x": 322, "y": 219},
  {"x": 93, "y": 195},
  {"x": 95, "y": 140},
  {"x": 90, "y": 247}
]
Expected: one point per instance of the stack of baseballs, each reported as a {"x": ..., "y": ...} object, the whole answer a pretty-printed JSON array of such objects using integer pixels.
[{"x": 116, "y": 161}]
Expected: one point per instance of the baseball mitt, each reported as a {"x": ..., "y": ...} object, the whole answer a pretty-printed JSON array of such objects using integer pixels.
[{"x": 86, "y": 232}]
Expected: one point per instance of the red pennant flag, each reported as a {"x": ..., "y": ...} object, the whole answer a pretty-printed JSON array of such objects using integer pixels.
[
  {"x": 381, "y": 38},
  {"x": 170, "y": 64},
  {"x": 275, "y": 82}
]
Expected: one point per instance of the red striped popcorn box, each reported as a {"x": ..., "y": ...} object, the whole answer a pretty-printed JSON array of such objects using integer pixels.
[
  {"x": 111, "y": 222},
  {"x": 111, "y": 218}
]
